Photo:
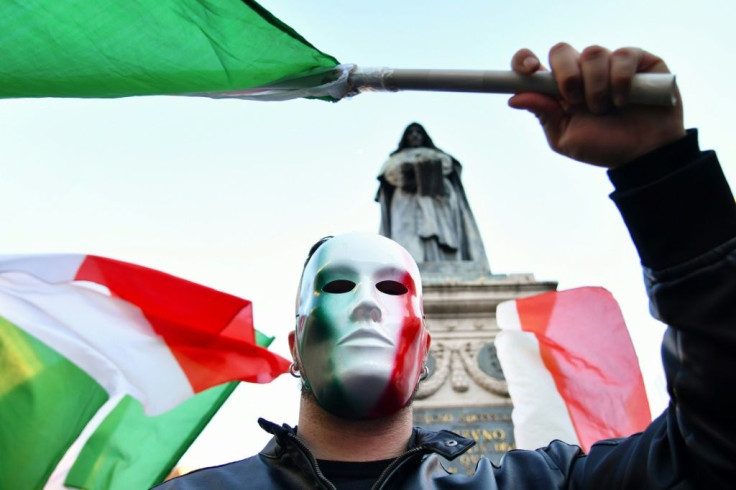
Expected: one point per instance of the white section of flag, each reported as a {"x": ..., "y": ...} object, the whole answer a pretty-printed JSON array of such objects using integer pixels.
[{"x": 546, "y": 418}]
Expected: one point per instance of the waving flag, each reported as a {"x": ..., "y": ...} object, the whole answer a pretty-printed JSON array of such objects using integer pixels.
[
  {"x": 213, "y": 48},
  {"x": 75, "y": 330},
  {"x": 571, "y": 368},
  {"x": 109, "y": 48}
]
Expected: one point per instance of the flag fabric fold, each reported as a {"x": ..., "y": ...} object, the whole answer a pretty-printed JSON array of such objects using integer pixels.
[
  {"x": 571, "y": 368},
  {"x": 191, "y": 336},
  {"x": 77, "y": 329},
  {"x": 113, "y": 458},
  {"x": 107, "y": 48},
  {"x": 45, "y": 402},
  {"x": 330, "y": 84}
]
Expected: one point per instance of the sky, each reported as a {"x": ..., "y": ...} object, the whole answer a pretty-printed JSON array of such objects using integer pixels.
[{"x": 233, "y": 193}]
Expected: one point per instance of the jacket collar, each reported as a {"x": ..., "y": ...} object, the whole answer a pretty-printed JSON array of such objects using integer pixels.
[{"x": 445, "y": 443}]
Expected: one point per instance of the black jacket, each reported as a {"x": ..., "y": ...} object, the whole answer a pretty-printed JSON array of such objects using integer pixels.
[{"x": 682, "y": 218}]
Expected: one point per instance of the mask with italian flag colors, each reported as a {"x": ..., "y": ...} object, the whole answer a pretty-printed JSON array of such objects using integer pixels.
[{"x": 360, "y": 335}]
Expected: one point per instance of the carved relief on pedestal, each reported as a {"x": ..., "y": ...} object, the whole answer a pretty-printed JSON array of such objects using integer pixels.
[{"x": 458, "y": 361}]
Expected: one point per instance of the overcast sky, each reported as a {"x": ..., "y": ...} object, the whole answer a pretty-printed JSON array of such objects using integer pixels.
[{"x": 231, "y": 193}]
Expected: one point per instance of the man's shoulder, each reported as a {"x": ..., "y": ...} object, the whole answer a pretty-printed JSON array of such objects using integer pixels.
[{"x": 227, "y": 475}]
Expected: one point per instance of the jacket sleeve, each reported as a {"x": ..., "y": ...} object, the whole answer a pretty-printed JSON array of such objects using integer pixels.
[{"x": 681, "y": 216}]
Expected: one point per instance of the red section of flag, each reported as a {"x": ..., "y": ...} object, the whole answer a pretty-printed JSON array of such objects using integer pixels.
[
  {"x": 585, "y": 345},
  {"x": 209, "y": 332}
]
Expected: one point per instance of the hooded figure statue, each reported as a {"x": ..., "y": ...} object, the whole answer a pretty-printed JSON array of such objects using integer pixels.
[{"x": 423, "y": 203}]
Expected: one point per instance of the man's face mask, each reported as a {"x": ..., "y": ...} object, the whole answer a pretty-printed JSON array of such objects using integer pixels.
[{"x": 360, "y": 333}]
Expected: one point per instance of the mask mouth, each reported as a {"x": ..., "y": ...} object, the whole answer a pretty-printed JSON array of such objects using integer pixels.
[{"x": 366, "y": 336}]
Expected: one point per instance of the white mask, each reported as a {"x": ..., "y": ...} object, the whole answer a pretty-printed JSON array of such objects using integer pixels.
[{"x": 360, "y": 334}]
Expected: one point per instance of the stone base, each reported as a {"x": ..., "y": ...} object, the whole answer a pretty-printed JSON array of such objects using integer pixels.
[{"x": 452, "y": 272}]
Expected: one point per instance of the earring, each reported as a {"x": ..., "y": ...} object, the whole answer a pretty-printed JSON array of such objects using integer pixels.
[
  {"x": 294, "y": 371},
  {"x": 425, "y": 373}
]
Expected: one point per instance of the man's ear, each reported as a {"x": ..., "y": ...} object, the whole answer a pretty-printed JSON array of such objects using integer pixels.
[{"x": 292, "y": 344}]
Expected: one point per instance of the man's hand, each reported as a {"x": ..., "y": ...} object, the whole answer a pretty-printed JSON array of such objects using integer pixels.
[{"x": 592, "y": 121}]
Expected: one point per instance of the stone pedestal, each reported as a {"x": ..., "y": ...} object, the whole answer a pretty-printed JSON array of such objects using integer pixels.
[{"x": 466, "y": 391}]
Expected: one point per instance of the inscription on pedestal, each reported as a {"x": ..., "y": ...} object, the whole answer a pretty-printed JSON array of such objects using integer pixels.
[{"x": 490, "y": 427}]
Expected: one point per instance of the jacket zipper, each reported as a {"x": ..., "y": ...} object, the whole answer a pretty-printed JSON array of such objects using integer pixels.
[
  {"x": 313, "y": 462},
  {"x": 395, "y": 464},
  {"x": 385, "y": 475}
]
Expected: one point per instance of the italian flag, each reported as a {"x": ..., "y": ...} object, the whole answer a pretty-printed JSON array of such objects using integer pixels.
[
  {"x": 79, "y": 330},
  {"x": 571, "y": 368},
  {"x": 112, "y": 48}
]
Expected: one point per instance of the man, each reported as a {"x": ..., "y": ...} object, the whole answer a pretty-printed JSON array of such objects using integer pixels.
[{"x": 359, "y": 341}]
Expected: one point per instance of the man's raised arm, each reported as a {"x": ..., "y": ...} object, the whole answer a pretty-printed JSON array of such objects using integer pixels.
[{"x": 681, "y": 215}]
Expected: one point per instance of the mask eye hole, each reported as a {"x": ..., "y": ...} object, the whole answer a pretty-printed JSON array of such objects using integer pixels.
[
  {"x": 339, "y": 286},
  {"x": 393, "y": 288}
]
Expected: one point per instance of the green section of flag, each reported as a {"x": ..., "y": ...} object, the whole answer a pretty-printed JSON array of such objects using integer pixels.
[
  {"x": 132, "y": 451},
  {"x": 262, "y": 339},
  {"x": 109, "y": 48},
  {"x": 45, "y": 402}
]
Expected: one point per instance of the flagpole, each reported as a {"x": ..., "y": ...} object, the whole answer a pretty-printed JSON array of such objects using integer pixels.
[{"x": 646, "y": 88}]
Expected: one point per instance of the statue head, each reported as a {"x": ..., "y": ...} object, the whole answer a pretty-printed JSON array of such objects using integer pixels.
[
  {"x": 415, "y": 136},
  {"x": 360, "y": 341}
]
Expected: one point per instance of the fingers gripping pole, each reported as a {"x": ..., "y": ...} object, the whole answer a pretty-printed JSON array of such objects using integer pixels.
[{"x": 646, "y": 88}]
